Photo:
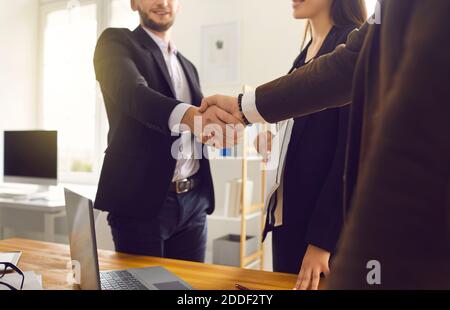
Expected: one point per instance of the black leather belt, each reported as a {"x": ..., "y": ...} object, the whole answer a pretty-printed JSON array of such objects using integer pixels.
[{"x": 185, "y": 185}]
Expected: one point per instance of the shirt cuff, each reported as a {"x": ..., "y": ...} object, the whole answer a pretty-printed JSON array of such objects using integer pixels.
[
  {"x": 176, "y": 116},
  {"x": 249, "y": 108}
]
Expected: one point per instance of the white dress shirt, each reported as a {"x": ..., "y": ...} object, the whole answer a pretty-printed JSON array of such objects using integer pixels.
[
  {"x": 249, "y": 108},
  {"x": 186, "y": 165}
]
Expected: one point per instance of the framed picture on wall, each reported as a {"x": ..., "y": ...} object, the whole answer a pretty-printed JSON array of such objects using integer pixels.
[{"x": 220, "y": 54}]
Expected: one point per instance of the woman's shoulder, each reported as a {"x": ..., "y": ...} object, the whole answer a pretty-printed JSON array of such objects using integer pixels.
[{"x": 342, "y": 32}]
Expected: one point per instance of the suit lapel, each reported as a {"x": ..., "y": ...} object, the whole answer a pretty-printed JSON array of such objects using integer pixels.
[
  {"x": 191, "y": 78},
  {"x": 148, "y": 43}
]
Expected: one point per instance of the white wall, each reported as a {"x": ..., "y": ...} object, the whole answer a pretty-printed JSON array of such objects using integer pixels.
[
  {"x": 270, "y": 37},
  {"x": 18, "y": 63}
]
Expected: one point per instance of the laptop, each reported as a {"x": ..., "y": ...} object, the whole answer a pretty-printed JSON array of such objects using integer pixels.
[{"x": 83, "y": 252}]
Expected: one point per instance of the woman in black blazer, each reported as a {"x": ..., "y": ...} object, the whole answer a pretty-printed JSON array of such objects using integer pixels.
[{"x": 312, "y": 206}]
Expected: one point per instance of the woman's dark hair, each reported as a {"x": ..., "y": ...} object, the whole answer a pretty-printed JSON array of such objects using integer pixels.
[
  {"x": 345, "y": 13},
  {"x": 348, "y": 13}
]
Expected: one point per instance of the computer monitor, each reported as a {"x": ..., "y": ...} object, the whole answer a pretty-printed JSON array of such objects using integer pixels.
[{"x": 31, "y": 157}]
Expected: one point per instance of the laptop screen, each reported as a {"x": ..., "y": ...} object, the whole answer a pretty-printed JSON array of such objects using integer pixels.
[{"x": 83, "y": 246}]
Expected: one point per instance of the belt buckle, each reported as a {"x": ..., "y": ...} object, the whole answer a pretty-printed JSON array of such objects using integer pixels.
[{"x": 186, "y": 188}]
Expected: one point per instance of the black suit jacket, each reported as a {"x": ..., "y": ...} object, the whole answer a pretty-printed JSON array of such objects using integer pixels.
[
  {"x": 139, "y": 98},
  {"x": 398, "y": 162},
  {"x": 313, "y": 177}
]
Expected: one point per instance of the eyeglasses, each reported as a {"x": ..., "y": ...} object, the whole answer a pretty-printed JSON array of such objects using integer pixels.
[{"x": 6, "y": 268}]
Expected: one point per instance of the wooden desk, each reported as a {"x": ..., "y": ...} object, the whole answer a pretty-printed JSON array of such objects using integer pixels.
[{"x": 52, "y": 262}]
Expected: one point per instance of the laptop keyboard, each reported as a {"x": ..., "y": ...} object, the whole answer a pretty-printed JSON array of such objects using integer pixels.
[{"x": 120, "y": 280}]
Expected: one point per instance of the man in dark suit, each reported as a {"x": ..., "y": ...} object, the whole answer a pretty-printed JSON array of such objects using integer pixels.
[
  {"x": 155, "y": 183},
  {"x": 398, "y": 154}
]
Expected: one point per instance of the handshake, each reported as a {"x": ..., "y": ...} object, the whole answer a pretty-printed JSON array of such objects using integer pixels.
[{"x": 217, "y": 122}]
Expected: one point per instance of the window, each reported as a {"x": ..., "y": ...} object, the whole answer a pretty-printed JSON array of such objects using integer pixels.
[
  {"x": 69, "y": 94},
  {"x": 70, "y": 99},
  {"x": 122, "y": 15}
]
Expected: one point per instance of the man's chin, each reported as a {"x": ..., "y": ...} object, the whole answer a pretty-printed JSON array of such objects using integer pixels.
[{"x": 158, "y": 26}]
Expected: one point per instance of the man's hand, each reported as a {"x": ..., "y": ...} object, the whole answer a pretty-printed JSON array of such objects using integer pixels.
[
  {"x": 315, "y": 262},
  {"x": 263, "y": 144},
  {"x": 214, "y": 126},
  {"x": 226, "y": 103}
]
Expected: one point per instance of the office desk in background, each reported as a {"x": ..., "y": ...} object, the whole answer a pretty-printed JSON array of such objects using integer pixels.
[
  {"x": 52, "y": 209},
  {"x": 52, "y": 261}
]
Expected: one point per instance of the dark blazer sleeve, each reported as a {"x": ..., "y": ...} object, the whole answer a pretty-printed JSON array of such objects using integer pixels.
[
  {"x": 121, "y": 81},
  {"x": 401, "y": 207},
  {"x": 325, "y": 83}
]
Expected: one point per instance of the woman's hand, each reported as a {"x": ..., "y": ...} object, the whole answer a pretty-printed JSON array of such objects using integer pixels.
[
  {"x": 315, "y": 262},
  {"x": 263, "y": 144}
]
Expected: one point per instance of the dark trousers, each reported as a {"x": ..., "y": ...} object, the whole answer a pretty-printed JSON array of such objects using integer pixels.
[{"x": 179, "y": 231}]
